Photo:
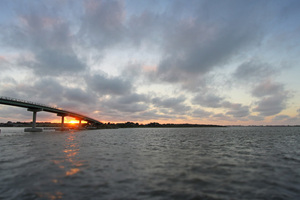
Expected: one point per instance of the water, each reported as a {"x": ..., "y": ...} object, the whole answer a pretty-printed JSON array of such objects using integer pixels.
[{"x": 178, "y": 163}]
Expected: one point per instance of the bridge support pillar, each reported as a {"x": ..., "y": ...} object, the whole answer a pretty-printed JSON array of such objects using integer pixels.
[
  {"x": 62, "y": 126},
  {"x": 33, "y": 129},
  {"x": 79, "y": 125}
]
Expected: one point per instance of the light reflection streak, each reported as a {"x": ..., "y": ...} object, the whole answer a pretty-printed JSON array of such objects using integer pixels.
[
  {"x": 71, "y": 151},
  {"x": 54, "y": 196},
  {"x": 69, "y": 163}
]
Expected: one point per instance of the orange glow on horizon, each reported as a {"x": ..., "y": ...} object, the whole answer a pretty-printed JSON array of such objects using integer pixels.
[{"x": 67, "y": 121}]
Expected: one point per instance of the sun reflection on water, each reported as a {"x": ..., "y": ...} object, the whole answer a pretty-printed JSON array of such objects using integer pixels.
[
  {"x": 71, "y": 150},
  {"x": 69, "y": 163}
]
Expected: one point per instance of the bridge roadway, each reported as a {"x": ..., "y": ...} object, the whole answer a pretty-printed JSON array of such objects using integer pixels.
[{"x": 36, "y": 107}]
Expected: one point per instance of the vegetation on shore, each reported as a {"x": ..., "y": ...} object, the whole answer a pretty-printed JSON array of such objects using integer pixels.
[
  {"x": 107, "y": 125},
  {"x": 152, "y": 125}
]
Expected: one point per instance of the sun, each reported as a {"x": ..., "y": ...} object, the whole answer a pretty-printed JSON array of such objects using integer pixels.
[{"x": 73, "y": 122}]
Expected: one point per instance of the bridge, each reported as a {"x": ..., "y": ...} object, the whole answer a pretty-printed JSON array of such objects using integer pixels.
[{"x": 36, "y": 107}]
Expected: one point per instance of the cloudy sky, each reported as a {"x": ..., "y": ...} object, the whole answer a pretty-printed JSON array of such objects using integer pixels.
[{"x": 168, "y": 61}]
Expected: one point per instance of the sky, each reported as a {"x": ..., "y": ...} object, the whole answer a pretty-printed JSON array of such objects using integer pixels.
[{"x": 226, "y": 62}]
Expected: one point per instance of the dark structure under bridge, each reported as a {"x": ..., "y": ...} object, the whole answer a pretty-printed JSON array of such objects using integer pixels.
[{"x": 37, "y": 107}]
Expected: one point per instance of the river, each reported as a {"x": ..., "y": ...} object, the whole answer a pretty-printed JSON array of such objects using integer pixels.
[{"x": 151, "y": 163}]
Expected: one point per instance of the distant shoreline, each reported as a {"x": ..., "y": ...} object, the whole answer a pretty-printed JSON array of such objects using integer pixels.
[{"x": 133, "y": 125}]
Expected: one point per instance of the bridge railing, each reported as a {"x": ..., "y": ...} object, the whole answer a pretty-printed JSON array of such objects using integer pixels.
[
  {"x": 29, "y": 102},
  {"x": 39, "y": 104}
]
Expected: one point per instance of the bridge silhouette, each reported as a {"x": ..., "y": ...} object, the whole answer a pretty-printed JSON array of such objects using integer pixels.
[{"x": 37, "y": 107}]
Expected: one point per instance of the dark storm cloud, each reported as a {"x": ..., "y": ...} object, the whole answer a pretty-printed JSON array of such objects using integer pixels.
[{"x": 108, "y": 85}]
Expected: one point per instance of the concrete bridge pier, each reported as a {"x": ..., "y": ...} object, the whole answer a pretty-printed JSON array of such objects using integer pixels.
[
  {"x": 79, "y": 125},
  {"x": 62, "y": 127},
  {"x": 34, "y": 129}
]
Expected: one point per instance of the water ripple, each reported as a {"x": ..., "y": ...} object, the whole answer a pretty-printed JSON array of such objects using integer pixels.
[{"x": 193, "y": 163}]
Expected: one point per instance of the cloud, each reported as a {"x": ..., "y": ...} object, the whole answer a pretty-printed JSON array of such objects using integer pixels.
[
  {"x": 256, "y": 118},
  {"x": 172, "y": 47},
  {"x": 175, "y": 104},
  {"x": 200, "y": 113},
  {"x": 127, "y": 108},
  {"x": 10, "y": 113},
  {"x": 48, "y": 40},
  {"x": 208, "y": 100},
  {"x": 285, "y": 119},
  {"x": 281, "y": 117},
  {"x": 102, "y": 24},
  {"x": 103, "y": 84},
  {"x": 4, "y": 64},
  {"x": 79, "y": 95},
  {"x": 127, "y": 104},
  {"x": 132, "y": 98},
  {"x": 198, "y": 45},
  {"x": 267, "y": 88},
  {"x": 221, "y": 117},
  {"x": 237, "y": 111},
  {"x": 52, "y": 62},
  {"x": 145, "y": 28},
  {"x": 50, "y": 91},
  {"x": 253, "y": 71},
  {"x": 271, "y": 105},
  {"x": 213, "y": 101},
  {"x": 273, "y": 98}
]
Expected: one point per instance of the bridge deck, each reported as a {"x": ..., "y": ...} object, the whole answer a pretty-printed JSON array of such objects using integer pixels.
[{"x": 46, "y": 108}]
